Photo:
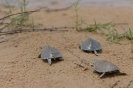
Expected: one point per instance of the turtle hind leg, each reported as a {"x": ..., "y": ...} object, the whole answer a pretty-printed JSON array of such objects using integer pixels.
[
  {"x": 49, "y": 61},
  {"x": 122, "y": 73},
  {"x": 95, "y": 52},
  {"x": 102, "y": 74},
  {"x": 61, "y": 58}
]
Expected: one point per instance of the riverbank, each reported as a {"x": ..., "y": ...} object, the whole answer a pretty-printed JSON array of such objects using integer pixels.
[{"x": 21, "y": 68}]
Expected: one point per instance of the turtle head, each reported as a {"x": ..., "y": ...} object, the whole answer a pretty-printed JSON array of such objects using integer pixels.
[{"x": 95, "y": 61}]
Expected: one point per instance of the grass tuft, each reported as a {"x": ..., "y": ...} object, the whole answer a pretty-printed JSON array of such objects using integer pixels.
[
  {"x": 22, "y": 20},
  {"x": 78, "y": 22},
  {"x": 112, "y": 35},
  {"x": 93, "y": 28}
]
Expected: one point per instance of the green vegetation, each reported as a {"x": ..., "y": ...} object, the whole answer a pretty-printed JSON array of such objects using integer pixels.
[
  {"x": 130, "y": 37},
  {"x": 22, "y": 20},
  {"x": 93, "y": 28},
  {"x": 78, "y": 22},
  {"x": 112, "y": 35},
  {"x": 98, "y": 27}
]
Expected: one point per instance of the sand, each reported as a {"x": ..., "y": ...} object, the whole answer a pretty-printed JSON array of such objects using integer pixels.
[{"x": 20, "y": 66}]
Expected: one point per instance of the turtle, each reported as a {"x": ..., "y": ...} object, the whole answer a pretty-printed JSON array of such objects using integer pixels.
[
  {"x": 91, "y": 45},
  {"x": 49, "y": 53},
  {"x": 104, "y": 66}
]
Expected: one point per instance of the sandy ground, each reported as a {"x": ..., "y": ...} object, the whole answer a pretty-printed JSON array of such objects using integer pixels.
[{"x": 20, "y": 66}]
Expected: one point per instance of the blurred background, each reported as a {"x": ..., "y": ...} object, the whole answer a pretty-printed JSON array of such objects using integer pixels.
[{"x": 84, "y": 3}]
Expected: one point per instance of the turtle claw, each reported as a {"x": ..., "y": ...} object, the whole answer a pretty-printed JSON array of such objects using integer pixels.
[
  {"x": 96, "y": 53},
  {"x": 102, "y": 74},
  {"x": 49, "y": 61}
]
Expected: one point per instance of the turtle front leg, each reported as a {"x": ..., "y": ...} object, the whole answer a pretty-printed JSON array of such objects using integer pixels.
[
  {"x": 102, "y": 74},
  {"x": 95, "y": 52},
  {"x": 49, "y": 61}
]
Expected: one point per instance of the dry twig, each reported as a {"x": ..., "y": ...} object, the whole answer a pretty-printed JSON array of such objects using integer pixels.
[
  {"x": 129, "y": 83},
  {"x": 21, "y": 13},
  {"x": 34, "y": 30},
  {"x": 115, "y": 84},
  {"x": 29, "y": 12},
  {"x": 5, "y": 26},
  {"x": 6, "y": 40},
  {"x": 79, "y": 65},
  {"x": 81, "y": 59},
  {"x": 54, "y": 10},
  {"x": 85, "y": 68}
]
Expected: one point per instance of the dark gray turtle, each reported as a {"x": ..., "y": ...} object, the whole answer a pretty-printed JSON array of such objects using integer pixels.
[
  {"x": 103, "y": 66},
  {"x": 50, "y": 53},
  {"x": 91, "y": 45}
]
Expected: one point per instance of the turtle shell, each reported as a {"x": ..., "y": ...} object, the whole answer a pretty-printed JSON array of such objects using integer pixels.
[
  {"x": 90, "y": 45},
  {"x": 104, "y": 66},
  {"x": 50, "y": 52}
]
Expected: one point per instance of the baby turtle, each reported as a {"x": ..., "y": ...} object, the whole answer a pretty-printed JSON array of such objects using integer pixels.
[
  {"x": 91, "y": 45},
  {"x": 49, "y": 53},
  {"x": 103, "y": 66}
]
